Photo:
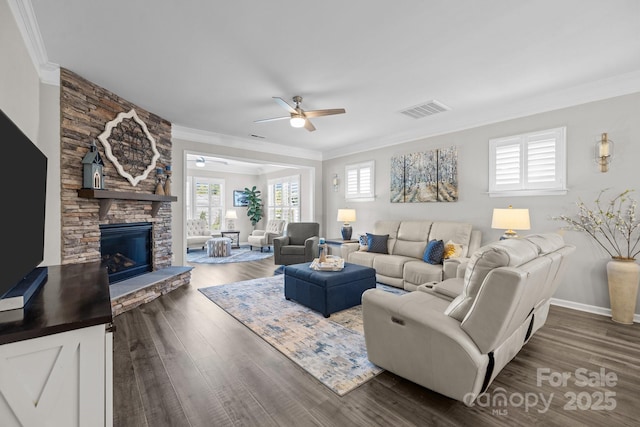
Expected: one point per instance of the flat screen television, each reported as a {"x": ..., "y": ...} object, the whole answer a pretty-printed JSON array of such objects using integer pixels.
[{"x": 23, "y": 175}]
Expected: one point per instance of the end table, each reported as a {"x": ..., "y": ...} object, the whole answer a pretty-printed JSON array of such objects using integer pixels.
[{"x": 234, "y": 236}]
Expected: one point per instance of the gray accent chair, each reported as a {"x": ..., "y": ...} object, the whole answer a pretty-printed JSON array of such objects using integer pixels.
[
  {"x": 264, "y": 238},
  {"x": 298, "y": 245}
]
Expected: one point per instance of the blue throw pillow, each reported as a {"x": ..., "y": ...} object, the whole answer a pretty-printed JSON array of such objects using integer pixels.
[
  {"x": 434, "y": 252},
  {"x": 377, "y": 243}
]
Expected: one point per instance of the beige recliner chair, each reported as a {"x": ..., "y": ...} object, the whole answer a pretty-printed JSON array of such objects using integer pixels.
[
  {"x": 454, "y": 337},
  {"x": 264, "y": 238}
]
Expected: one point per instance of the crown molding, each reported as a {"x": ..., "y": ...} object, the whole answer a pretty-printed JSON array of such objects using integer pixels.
[
  {"x": 599, "y": 90},
  {"x": 197, "y": 135},
  {"x": 25, "y": 18}
]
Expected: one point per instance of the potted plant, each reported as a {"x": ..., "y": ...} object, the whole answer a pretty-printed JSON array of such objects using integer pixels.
[
  {"x": 615, "y": 228},
  {"x": 254, "y": 205}
]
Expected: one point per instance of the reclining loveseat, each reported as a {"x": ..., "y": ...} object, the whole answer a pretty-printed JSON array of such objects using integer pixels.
[
  {"x": 455, "y": 336},
  {"x": 402, "y": 264}
]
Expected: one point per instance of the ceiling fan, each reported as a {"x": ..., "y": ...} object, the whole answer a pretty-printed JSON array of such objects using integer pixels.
[{"x": 298, "y": 117}]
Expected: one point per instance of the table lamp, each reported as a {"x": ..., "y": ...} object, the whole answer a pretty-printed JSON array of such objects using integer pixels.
[
  {"x": 346, "y": 216},
  {"x": 230, "y": 216},
  {"x": 510, "y": 219}
]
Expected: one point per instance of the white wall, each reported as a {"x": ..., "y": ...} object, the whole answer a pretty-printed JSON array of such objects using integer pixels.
[
  {"x": 19, "y": 80},
  {"x": 49, "y": 143},
  {"x": 35, "y": 108},
  {"x": 585, "y": 281},
  {"x": 233, "y": 181}
]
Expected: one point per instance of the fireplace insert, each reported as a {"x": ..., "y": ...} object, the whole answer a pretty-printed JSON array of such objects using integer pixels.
[{"x": 126, "y": 249}]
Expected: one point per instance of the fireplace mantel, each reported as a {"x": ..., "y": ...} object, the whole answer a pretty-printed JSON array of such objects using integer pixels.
[{"x": 106, "y": 198}]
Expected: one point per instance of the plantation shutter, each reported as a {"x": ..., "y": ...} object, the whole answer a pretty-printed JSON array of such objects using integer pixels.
[
  {"x": 359, "y": 182},
  {"x": 528, "y": 164}
]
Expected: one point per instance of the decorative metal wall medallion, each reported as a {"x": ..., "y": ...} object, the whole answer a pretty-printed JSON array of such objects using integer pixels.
[{"x": 130, "y": 146}]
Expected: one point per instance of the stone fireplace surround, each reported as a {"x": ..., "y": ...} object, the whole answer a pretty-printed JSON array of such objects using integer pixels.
[{"x": 85, "y": 108}]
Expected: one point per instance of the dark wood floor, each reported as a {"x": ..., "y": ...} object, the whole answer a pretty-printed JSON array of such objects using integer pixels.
[{"x": 182, "y": 361}]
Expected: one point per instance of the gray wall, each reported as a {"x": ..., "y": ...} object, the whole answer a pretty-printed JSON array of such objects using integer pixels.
[{"x": 585, "y": 282}]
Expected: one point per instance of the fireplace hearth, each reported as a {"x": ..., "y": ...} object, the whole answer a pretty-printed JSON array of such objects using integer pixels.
[{"x": 126, "y": 249}]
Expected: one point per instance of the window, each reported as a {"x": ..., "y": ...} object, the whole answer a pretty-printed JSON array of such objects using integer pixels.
[
  {"x": 283, "y": 198},
  {"x": 359, "y": 181},
  {"x": 205, "y": 199},
  {"x": 530, "y": 164}
]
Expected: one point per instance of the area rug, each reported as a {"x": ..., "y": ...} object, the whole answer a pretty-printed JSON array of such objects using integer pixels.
[
  {"x": 332, "y": 350},
  {"x": 237, "y": 255}
]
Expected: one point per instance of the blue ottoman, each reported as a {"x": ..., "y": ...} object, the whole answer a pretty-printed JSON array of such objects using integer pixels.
[{"x": 327, "y": 291}]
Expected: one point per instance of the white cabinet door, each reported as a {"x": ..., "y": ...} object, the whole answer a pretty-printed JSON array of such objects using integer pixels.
[{"x": 55, "y": 380}]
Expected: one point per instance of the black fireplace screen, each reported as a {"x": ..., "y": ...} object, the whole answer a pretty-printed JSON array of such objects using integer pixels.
[{"x": 126, "y": 249}]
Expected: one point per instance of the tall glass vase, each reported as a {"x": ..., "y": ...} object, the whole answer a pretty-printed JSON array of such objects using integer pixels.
[{"x": 623, "y": 275}]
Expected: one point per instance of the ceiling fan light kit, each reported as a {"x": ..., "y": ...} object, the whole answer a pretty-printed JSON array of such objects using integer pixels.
[
  {"x": 297, "y": 121},
  {"x": 298, "y": 117}
]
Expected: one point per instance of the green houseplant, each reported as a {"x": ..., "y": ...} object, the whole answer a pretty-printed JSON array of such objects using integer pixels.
[
  {"x": 254, "y": 206},
  {"x": 613, "y": 225}
]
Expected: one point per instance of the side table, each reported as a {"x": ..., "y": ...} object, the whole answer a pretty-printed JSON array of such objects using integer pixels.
[
  {"x": 335, "y": 244},
  {"x": 234, "y": 236}
]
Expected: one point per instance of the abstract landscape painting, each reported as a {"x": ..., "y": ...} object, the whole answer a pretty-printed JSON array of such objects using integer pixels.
[{"x": 429, "y": 176}]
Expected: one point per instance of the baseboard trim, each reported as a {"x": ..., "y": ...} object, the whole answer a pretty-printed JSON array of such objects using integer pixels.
[{"x": 588, "y": 308}]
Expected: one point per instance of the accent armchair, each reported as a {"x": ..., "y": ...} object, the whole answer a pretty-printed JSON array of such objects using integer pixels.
[
  {"x": 298, "y": 245},
  {"x": 198, "y": 232},
  {"x": 264, "y": 238}
]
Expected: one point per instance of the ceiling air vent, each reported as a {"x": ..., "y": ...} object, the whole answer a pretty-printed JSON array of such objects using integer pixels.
[{"x": 428, "y": 108}]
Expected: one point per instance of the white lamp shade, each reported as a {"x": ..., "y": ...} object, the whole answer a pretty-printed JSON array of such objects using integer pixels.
[
  {"x": 511, "y": 219},
  {"x": 297, "y": 121},
  {"x": 231, "y": 214},
  {"x": 346, "y": 215}
]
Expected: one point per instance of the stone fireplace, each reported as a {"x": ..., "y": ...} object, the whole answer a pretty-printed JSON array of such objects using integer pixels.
[{"x": 85, "y": 108}]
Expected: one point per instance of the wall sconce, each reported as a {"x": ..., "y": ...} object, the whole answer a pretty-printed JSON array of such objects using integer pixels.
[
  {"x": 510, "y": 219},
  {"x": 604, "y": 152},
  {"x": 335, "y": 182},
  {"x": 200, "y": 162}
]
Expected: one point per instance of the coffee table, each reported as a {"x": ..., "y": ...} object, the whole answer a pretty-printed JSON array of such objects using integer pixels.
[{"x": 327, "y": 291}]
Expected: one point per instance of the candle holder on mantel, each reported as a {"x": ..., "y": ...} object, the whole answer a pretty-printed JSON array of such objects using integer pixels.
[
  {"x": 167, "y": 181},
  {"x": 159, "y": 186}
]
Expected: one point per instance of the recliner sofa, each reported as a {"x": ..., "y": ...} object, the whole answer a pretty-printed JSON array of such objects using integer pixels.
[
  {"x": 455, "y": 337},
  {"x": 403, "y": 265}
]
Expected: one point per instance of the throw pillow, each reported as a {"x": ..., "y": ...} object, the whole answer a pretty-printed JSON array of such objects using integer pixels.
[
  {"x": 434, "y": 252},
  {"x": 363, "y": 243},
  {"x": 377, "y": 243},
  {"x": 452, "y": 250}
]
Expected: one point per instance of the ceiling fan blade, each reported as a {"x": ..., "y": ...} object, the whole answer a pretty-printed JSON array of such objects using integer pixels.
[
  {"x": 284, "y": 105},
  {"x": 272, "y": 119},
  {"x": 320, "y": 113},
  {"x": 309, "y": 126}
]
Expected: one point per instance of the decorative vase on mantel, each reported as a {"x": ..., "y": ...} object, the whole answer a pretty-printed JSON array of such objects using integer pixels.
[{"x": 623, "y": 275}]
